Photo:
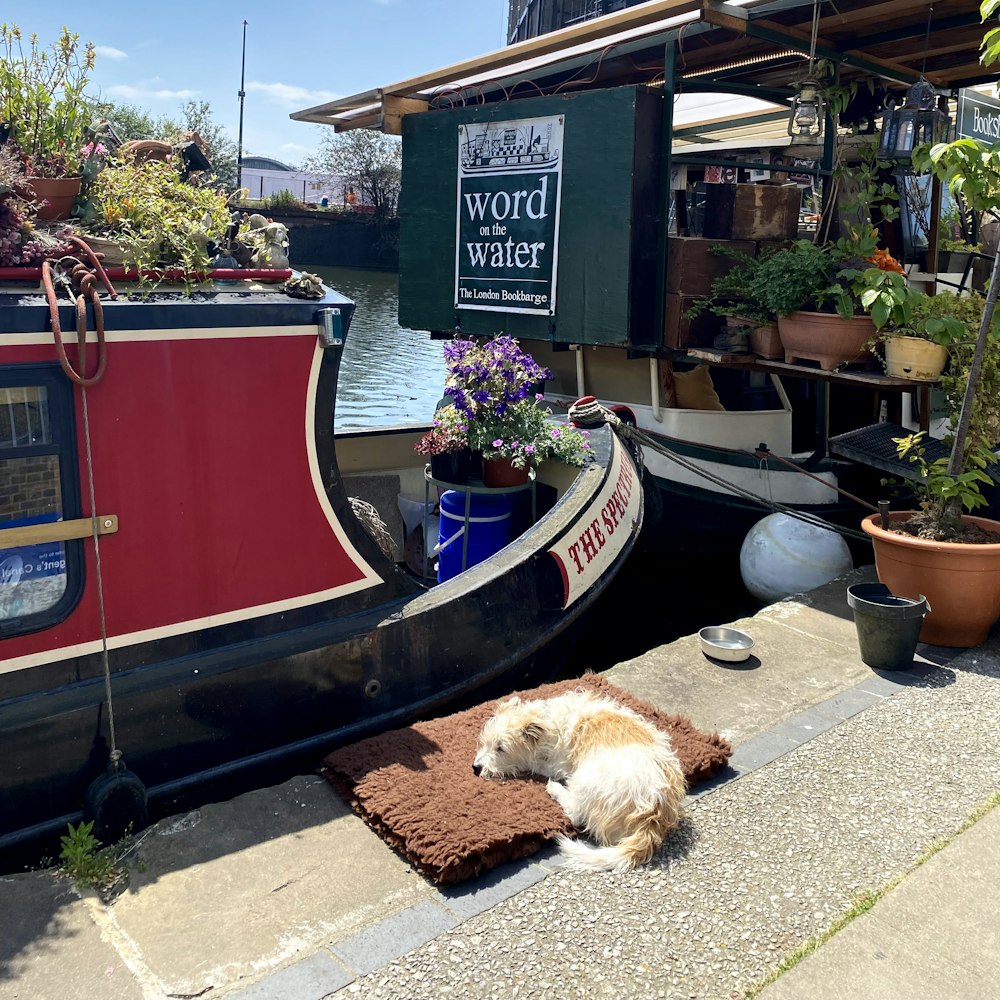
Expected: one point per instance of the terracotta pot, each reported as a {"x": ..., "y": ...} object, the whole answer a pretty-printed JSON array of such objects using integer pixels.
[
  {"x": 765, "y": 341},
  {"x": 914, "y": 357},
  {"x": 498, "y": 472},
  {"x": 825, "y": 337},
  {"x": 960, "y": 581},
  {"x": 58, "y": 192}
]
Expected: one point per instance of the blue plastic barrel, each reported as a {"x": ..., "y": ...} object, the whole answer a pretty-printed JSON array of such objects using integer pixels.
[{"x": 489, "y": 529}]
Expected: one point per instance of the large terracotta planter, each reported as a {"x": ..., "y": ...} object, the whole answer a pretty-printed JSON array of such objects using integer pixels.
[
  {"x": 58, "y": 193},
  {"x": 960, "y": 581},
  {"x": 914, "y": 357},
  {"x": 825, "y": 337}
]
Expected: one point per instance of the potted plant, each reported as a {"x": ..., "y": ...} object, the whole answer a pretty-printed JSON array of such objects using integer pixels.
[
  {"x": 951, "y": 557},
  {"x": 157, "y": 218},
  {"x": 446, "y": 444},
  {"x": 736, "y": 297},
  {"x": 497, "y": 386},
  {"x": 42, "y": 100},
  {"x": 815, "y": 291}
]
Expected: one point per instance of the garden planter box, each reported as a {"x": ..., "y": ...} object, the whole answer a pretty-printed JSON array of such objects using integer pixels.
[
  {"x": 751, "y": 212},
  {"x": 826, "y": 338}
]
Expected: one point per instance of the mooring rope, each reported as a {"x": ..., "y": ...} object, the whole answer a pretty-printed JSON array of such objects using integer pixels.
[{"x": 589, "y": 412}]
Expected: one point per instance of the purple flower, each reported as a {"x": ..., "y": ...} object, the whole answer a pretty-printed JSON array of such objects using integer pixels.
[{"x": 498, "y": 443}]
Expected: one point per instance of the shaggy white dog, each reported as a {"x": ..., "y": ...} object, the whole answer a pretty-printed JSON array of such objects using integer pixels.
[{"x": 613, "y": 773}]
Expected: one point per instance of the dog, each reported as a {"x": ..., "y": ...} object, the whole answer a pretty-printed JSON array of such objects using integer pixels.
[{"x": 613, "y": 773}]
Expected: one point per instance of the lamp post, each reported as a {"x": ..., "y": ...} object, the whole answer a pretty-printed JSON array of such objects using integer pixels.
[{"x": 239, "y": 147}]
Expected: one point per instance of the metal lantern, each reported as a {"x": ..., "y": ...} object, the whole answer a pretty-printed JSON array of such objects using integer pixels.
[
  {"x": 917, "y": 120},
  {"x": 806, "y": 118}
]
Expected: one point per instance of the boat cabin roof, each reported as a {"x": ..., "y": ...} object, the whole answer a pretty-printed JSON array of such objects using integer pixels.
[{"x": 737, "y": 47}]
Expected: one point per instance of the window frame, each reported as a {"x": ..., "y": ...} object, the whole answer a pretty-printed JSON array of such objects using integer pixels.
[{"x": 62, "y": 421}]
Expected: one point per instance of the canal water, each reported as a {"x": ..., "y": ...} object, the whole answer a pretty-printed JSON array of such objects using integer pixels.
[{"x": 392, "y": 375}]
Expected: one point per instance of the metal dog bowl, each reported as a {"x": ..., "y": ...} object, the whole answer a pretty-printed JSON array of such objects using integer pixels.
[{"x": 724, "y": 643}]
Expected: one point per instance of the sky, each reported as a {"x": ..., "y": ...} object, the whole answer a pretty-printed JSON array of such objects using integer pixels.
[{"x": 157, "y": 55}]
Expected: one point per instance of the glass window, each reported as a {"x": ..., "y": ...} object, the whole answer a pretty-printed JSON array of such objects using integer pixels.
[{"x": 34, "y": 576}]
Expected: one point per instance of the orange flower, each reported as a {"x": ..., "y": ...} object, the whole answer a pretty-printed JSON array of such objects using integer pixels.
[{"x": 885, "y": 261}]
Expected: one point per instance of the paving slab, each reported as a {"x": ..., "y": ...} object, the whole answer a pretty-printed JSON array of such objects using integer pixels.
[
  {"x": 261, "y": 881},
  {"x": 51, "y": 948},
  {"x": 936, "y": 935},
  {"x": 806, "y": 651}
]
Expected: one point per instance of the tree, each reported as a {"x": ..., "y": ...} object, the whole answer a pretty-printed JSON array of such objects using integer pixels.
[
  {"x": 369, "y": 161},
  {"x": 129, "y": 121},
  {"x": 197, "y": 117}
]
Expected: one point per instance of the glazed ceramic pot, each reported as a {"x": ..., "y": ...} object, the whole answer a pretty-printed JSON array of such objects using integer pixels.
[
  {"x": 498, "y": 473},
  {"x": 961, "y": 582},
  {"x": 826, "y": 338},
  {"x": 58, "y": 193}
]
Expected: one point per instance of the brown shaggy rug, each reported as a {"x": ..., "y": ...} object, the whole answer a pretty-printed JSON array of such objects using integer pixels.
[{"x": 415, "y": 787}]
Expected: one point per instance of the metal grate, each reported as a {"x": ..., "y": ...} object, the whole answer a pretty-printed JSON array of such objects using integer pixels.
[{"x": 874, "y": 446}]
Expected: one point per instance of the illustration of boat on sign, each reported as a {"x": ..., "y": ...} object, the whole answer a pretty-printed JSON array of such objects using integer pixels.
[{"x": 202, "y": 587}]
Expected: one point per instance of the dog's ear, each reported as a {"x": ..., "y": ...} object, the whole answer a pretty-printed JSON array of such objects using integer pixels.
[
  {"x": 533, "y": 732},
  {"x": 511, "y": 702}
]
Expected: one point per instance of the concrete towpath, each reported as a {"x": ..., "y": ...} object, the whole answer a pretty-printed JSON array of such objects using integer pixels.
[{"x": 843, "y": 781}]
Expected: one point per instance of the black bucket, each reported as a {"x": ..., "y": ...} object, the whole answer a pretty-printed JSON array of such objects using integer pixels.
[{"x": 888, "y": 626}]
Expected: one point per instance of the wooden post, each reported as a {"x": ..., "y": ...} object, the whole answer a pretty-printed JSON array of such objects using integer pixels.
[{"x": 666, "y": 192}]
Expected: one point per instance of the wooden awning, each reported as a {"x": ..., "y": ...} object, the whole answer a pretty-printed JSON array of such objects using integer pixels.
[{"x": 760, "y": 45}]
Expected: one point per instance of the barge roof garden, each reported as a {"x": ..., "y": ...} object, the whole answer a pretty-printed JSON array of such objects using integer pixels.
[{"x": 746, "y": 47}]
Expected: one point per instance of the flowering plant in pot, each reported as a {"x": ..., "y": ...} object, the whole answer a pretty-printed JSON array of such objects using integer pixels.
[
  {"x": 42, "y": 100},
  {"x": 446, "y": 444}
]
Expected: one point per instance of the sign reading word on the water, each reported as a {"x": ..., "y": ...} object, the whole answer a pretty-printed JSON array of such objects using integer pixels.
[
  {"x": 507, "y": 228},
  {"x": 978, "y": 117}
]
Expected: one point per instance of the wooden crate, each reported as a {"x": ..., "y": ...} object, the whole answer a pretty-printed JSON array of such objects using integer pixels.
[
  {"x": 681, "y": 332},
  {"x": 691, "y": 267},
  {"x": 751, "y": 212}
]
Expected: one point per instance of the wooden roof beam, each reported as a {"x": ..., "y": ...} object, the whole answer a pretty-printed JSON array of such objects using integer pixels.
[{"x": 737, "y": 19}]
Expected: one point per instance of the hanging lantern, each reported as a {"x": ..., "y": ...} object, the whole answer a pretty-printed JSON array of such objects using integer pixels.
[
  {"x": 917, "y": 120},
  {"x": 806, "y": 118}
]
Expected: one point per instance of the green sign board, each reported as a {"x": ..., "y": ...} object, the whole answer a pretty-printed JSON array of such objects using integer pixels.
[
  {"x": 978, "y": 117},
  {"x": 507, "y": 219}
]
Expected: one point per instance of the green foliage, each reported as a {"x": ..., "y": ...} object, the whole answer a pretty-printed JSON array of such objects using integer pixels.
[
  {"x": 157, "y": 218},
  {"x": 86, "y": 862},
  {"x": 42, "y": 99},
  {"x": 281, "y": 199},
  {"x": 369, "y": 161},
  {"x": 129, "y": 121},
  {"x": 970, "y": 169},
  {"x": 196, "y": 116},
  {"x": 737, "y": 292},
  {"x": 940, "y": 493},
  {"x": 991, "y": 40}
]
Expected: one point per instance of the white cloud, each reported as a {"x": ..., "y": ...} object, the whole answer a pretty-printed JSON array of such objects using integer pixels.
[
  {"x": 129, "y": 93},
  {"x": 289, "y": 96},
  {"x": 110, "y": 52}
]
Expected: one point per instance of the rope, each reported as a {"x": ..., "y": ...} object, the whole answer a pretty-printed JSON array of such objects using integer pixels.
[
  {"x": 82, "y": 280},
  {"x": 115, "y": 752},
  {"x": 587, "y": 409}
]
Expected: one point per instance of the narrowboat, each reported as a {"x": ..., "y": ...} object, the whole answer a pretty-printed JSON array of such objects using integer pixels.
[{"x": 202, "y": 587}]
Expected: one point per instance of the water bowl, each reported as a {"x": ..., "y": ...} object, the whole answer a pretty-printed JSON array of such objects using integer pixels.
[{"x": 724, "y": 643}]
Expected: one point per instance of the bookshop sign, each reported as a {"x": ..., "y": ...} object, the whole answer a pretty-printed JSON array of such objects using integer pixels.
[
  {"x": 507, "y": 219},
  {"x": 978, "y": 117}
]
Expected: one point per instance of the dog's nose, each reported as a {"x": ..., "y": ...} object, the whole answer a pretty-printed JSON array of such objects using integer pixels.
[{"x": 477, "y": 769}]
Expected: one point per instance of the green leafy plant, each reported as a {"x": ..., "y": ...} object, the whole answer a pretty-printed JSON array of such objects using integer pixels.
[
  {"x": 157, "y": 218},
  {"x": 942, "y": 495},
  {"x": 90, "y": 865},
  {"x": 42, "y": 99},
  {"x": 737, "y": 292}
]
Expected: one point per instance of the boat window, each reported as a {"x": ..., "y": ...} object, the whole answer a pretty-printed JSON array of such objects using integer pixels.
[{"x": 37, "y": 477}]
